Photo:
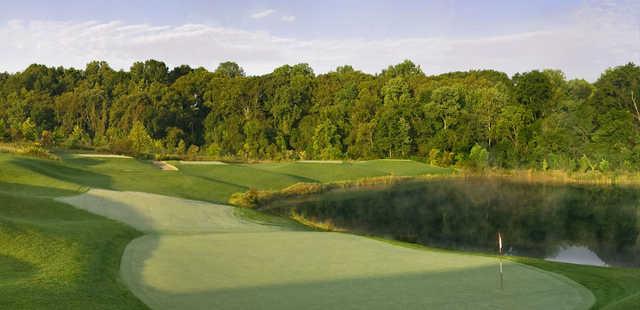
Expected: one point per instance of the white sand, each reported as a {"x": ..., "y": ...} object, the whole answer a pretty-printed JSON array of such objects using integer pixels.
[{"x": 164, "y": 166}]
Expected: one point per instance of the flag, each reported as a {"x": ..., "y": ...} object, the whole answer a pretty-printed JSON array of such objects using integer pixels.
[{"x": 500, "y": 242}]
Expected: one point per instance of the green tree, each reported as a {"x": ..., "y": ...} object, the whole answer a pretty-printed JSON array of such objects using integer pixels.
[
  {"x": 229, "y": 69},
  {"x": 141, "y": 142},
  {"x": 478, "y": 157},
  {"x": 77, "y": 138},
  {"x": 29, "y": 130}
]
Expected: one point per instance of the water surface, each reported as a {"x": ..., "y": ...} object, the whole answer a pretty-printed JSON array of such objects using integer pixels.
[{"x": 585, "y": 224}]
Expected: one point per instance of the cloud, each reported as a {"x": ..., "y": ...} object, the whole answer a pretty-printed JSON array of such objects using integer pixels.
[
  {"x": 595, "y": 38},
  {"x": 288, "y": 18},
  {"x": 262, "y": 14}
]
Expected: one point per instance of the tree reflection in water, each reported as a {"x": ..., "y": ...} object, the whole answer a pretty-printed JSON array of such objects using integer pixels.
[{"x": 536, "y": 219}]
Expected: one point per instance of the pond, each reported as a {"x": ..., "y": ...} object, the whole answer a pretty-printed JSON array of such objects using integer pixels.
[{"x": 584, "y": 224}]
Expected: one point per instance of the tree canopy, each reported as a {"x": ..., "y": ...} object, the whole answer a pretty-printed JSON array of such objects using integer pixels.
[{"x": 535, "y": 119}]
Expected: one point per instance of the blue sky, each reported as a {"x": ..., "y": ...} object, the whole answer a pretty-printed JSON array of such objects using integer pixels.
[{"x": 580, "y": 37}]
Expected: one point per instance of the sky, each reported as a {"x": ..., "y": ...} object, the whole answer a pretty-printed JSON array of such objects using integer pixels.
[{"x": 580, "y": 37}]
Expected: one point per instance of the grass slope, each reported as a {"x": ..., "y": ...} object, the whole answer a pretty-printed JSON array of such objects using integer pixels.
[
  {"x": 201, "y": 255},
  {"x": 77, "y": 238},
  {"x": 53, "y": 256}
]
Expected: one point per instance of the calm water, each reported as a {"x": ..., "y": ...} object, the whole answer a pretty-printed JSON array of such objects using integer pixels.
[{"x": 595, "y": 225}]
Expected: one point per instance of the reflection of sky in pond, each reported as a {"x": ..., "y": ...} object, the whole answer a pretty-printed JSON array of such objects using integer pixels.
[{"x": 576, "y": 254}]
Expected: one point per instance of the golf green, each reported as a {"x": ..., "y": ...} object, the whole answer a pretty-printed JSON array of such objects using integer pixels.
[{"x": 203, "y": 256}]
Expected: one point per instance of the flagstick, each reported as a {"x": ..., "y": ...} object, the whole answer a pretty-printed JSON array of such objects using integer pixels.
[
  {"x": 501, "y": 276},
  {"x": 500, "y": 259}
]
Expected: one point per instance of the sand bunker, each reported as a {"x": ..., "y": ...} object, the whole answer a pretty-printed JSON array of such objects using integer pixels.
[{"x": 164, "y": 166}]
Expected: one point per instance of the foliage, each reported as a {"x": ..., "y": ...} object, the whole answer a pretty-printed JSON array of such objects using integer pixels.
[
  {"x": 478, "y": 157},
  {"x": 141, "y": 142},
  {"x": 46, "y": 138},
  {"x": 28, "y": 129},
  {"x": 294, "y": 113}
]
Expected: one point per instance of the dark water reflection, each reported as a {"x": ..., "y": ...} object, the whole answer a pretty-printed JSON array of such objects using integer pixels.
[{"x": 595, "y": 225}]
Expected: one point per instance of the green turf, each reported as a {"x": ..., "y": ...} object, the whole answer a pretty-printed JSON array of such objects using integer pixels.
[
  {"x": 36, "y": 278},
  {"x": 614, "y": 288},
  {"x": 201, "y": 255},
  {"x": 402, "y": 167},
  {"x": 318, "y": 270},
  {"x": 213, "y": 183},
  {"x": 53, "y": 256}
]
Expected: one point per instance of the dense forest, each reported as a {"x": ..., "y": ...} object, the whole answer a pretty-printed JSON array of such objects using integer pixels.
[{"x": 536, "y": 119}]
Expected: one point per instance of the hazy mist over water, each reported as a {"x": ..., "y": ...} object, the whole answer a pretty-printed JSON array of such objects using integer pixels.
[{"x": 596, "y": 225}]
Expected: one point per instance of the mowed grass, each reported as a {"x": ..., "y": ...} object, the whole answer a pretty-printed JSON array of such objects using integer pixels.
[
  {"x": 53, "y": 256},
  {"x": 321, "y": 270},
  {"x": 214, "y": 183},
  {"x": 201, "y": 255},
  {"x": 31, "y": 184}
]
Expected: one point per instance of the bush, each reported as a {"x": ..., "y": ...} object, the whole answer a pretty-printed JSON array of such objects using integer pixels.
[
  {"x": 46, "y": 138},
  {"x": 434, "y": 157},
  {"x": 39, "y": 152},
  {"x": 585, "y": 165},
  {"x": 447, "y": 159},
  {"x": 141, "y": 142},
  {"x": 77, "y": 139},
  {"x": 192, "y": 152},
  {"x": 478, "y": 158},
  {"x": 28, "y": 130}
]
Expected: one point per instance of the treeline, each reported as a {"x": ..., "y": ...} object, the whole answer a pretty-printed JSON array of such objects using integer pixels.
[{"x": 535, "y": 119}]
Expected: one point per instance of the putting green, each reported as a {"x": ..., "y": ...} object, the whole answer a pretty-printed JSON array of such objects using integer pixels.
[{"x": 202, "y": 256}]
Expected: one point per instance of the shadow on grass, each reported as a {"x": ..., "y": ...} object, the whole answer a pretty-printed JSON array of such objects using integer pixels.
[
  {"x": 13, "y": 269},
  {"x": 73, "y": 256},
  {"x": 36, "y": 190},
  {"x": 62, "y": 172},
  {"x": 469, "y": 288}
]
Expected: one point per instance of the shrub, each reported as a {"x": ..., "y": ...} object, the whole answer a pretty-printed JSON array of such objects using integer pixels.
[
  {"x": 181, "y": 148},
  {"x": 46, "y": 138},
  {"x": 584, "y": 164},
  {"x": 39, "y": 152},
  {"x": 28, "y": 130},
  {"x": 478, "y": 157},
  {"x": 141, "y": 142},
  {"x": 77, "y": 139},
  {"x": 434, "y": 157},
  {"x": 447, "y": 159},
  {"x": 192, "y": 152}
]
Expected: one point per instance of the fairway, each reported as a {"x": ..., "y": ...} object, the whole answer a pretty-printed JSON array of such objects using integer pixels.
[{"x": 207, "y": 257}]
